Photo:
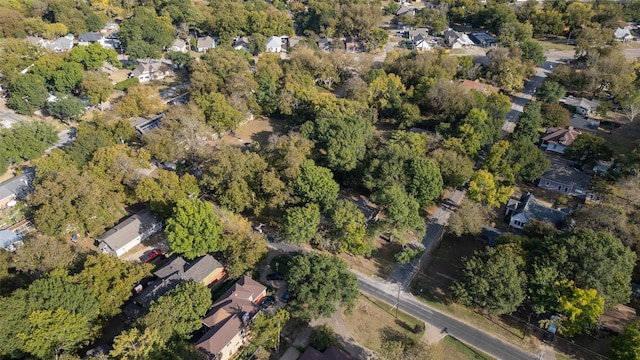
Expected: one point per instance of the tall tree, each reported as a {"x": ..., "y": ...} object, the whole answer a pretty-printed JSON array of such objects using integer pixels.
[
  {"x": 28, "y": 94},
  {"x": 493, "y": 279},
  {"x": 626, "y": 346},
  {"x": 67, "y": 108},
  {"x": 145, "y": 34},
  {"x": 96, "y": 86},
  {"x": 300, "y": 223},
  {"x": 266, "y": 328},
  {"x": 588, "y": 149},
  {"x": 349, "y": 228},
  {"x": 316, "y": 185},
  {"x": 485, "y": 188},
  {"x": 42, "y": 253},
  {"x": 581, "y": 307},
  {"x": 165, "y": 190},
  {"x": 468, "y": 218},
  {"x": 194, "y": 229},
  {"x": 402, "y": 211},
  {"x": 320, "y": 274}
]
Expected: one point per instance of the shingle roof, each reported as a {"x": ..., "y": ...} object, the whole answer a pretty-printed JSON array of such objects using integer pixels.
[
  {"x": 561, "y": 136},
  {"x": 534, "y": 211},
  {"x": 274, "y": 42},
  {"x": 206, "y": 42},
  {"x": 8, "y": 240},
  {"x": 19, "y": 186},
  {"x": 126, "y": 231},
  {"x": 565, "y": 174},
  {"x": 90, "y": 37}
]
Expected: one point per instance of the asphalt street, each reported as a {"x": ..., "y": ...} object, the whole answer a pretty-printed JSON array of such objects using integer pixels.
[{"x": 466, "y": 333}]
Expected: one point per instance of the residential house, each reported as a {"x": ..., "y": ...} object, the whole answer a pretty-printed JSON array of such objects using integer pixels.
[
  {"x": 90, "y": 38},
  {"x": 242, "y": 43},
  {"x": 205, "y": 270},
  {"x": 330, "y": 353},
  {"x": 353, "y": 45},
  {"x": 567, "y": 180},
  {"x": 274, "y": 44},
  {"x": 62, "y": 44},
  {"x": 9, "y": 240},
  {"x": 527, "y": 209},
  {"x": 457, "y": 40},
  {"x": 16, "y": 188},
  {"x": 408, "y": 10},
  {"x": 129, "y": 233},
  {"x": 581, "y": 105},
  {"x": 142, "y": 125},
  {"x": 558, "y": 139},
  {"x": 229, "y": 318},
  {"x": 325, "y": 44},
  {"x": 36, "y": 40},
  {"x": 412, "y": 33},
  {"x": 483, "y": 39},
  {"x": 109, "y": 27},
  {"x": 476, "y": 85},
  {"x": 422, "y": 43},
  {"x": 205, "y": 43},
  {"x": 623, "y": 34},
  {"x": 154, "y": 70},
  {"x": 179, "y": 45}
]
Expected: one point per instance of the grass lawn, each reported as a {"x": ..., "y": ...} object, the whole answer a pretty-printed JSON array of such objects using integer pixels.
[
  {"x": 555, "y": 44},
  {"x": 622, "y": 140},
  {"x": 371, "y": 324},
  {"x": 456, "y": 350}
]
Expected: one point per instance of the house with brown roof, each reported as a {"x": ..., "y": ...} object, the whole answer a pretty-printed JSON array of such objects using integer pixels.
[
  {"x": 558, "y": 139},
  {"x": 229, "y": 319}
]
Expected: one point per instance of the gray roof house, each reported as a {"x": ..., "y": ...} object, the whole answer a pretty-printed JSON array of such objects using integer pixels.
[
  {"x": 205, "y": 43},
  {"x": 567, "y": 180},
  {"x": 129, "y": 233},
  {"x": 155, "y": 70},
  {"x": 483, "y": 39},
  {"x": 527, "y": 208},
  {"x": 581, "y": 105},
  {"x": 9, "y": 240},
  {"x": 90, "y": 37},
  {"x": 274, "y": 44},
  {"x": 17, "y": 188},
  {"x": 325, "y": 44},
  {"x": 457, "y": 40},
  {"x": 64, "y": 43},
  {"x": 623, "y": 34},
  {"x": 241, "y": 43},
  {"x": 178, "y": 45}
]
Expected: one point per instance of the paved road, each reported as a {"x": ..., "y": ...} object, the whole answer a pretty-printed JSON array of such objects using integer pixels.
[
  {"x": 468, "y": 334},
  {"x": 9, "y": 117}
]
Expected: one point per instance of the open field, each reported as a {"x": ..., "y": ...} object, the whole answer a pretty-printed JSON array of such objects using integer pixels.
[{"x": 456, "y": 350}]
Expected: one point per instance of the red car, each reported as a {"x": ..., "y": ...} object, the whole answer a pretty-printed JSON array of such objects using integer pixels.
[{"x": 152, "y": 255}]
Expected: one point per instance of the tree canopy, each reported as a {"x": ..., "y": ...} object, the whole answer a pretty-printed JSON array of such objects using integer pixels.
[{"x": 194, "y": 229}]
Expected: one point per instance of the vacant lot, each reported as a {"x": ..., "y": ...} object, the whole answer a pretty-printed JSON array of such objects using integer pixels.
[
  {"x": 382, "y": 262},
  {"x": 258, "y": 130}
]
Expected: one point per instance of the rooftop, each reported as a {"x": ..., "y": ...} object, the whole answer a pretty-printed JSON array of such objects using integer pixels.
[
  {"x": 528, "y": 206},
  {"x": 19, "y": 185},
  {"x": 565, "y": 174},
  {"x": 129, "y": 229},
  {"x": 90, "y": 37},
  {"x": 562, "y": 136}
]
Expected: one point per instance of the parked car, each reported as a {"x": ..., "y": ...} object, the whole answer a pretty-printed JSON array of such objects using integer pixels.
[
  {"x": 275, "y": 276},
  {"x": 285, "y": 297},
  {"x": 266, "y": 302},
  {"x": 152, "y": 255}
]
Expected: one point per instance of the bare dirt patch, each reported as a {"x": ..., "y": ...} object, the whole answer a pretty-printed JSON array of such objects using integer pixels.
[
  {"x": 258, "y": 130},
  {"x": 381, "y": 264}
]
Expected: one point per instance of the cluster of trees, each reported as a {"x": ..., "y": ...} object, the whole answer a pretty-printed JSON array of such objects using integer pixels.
[
  {"x": 574, "y": 273},
  {"x": 62, "y": 310},
  {"x": 25, "y": 141}
]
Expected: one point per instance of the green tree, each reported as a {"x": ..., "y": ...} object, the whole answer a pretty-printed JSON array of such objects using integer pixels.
[
  {"x": 426, "y": 182},
  {"x": 93, "y": 56},
  {"x": 323, "y": 336},
  {"x": 28, "y": 94},
  {"x": 402, "y": 211},
  {"x": 528, "y": 159},
  {"x": 588, "y": 149},
  {"x": 243, "y": 247},
  {"x": 349, "y": 228},
  {"x": 468, "y": 218},
  {"x": 315, "y": 274},
  {"x": 454, "y": 168},
  {"x": 194, "y": 229},
  {"x": 110, "y": 281},
  {"x": 385, "y": 94},
  {"x": 555, "y": 115},
  {"x": 134, "y": 344},
  {"x": 550, "y": 92},
  {"x": 581, "y": 307},
  {"x": 67, "y": 108},
  {"x": 265, "y": 329},
  {"x": 96, "y": 86},
  {"x": 486, "y": 189},
  {"x": 533, "y": 51},
  {"x": 626, "y": 346},
  {"x": 165, "y": 190},
  {"x": 179, "y": 58},
  {"x": 494, "y": 279},
  {"x": 140, "y": 101},
  {"x": 527, "y": 128},
  {"x": 145, "y": 34},
  {"x": 53, "y": 332},
  {"x": 66, "y": 78},
  {"x": 407, "y": 255},
  {"x": 316, "y": 185},
  {"x": 41, "y": 253},
  {"x": 508, "y": 70},
  {"x": 300, "y": 223},
  {"x": 179, "y": 311},
  {"x": 220, "y": 114}
]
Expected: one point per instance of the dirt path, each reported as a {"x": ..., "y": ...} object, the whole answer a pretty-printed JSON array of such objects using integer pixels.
[{"x": 344, "y": 335}]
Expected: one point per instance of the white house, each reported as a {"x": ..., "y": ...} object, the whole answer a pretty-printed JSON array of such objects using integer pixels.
[
  {"x": 567, "y": 180},
  {"x": 9, "y": 240},
  {"x": 155, "y": 70},
  {"x": 205, "y": 43},
  {"x": 274, "y": 44},
  {"x": 90, "y": 38},
  {"x": 129, "y": 233},
  {"x": 623, "y": 34},
  {"x": 241, "y": 43},
  {"x": 179, "y": 45},
  {"x": 527, "y": 208},
  {"x": 62, "y": 44},
  {"x": 422, "y": 43},
  {"x": 581, "y": 105},
  {"x": 457, "y": 40},
  {"x": 16, "y": 188},
  {"x": 558, "y": 139}
]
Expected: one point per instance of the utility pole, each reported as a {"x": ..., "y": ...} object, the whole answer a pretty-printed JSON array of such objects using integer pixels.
[{"x": 398, "y": 301}]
